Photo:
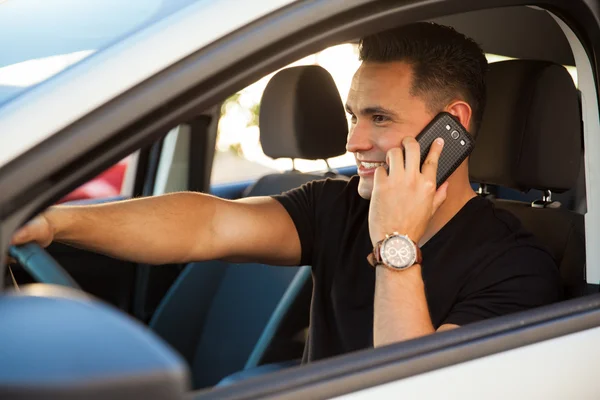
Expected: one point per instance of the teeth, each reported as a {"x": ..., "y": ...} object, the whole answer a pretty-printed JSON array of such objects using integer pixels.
[{"x": 370, "y": 165}]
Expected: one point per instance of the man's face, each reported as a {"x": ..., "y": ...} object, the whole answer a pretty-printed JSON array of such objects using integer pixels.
[{"x": 383, "y": 113}]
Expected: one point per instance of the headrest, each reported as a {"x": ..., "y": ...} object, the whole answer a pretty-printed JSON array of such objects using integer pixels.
[
  {"x": 530, "y": 135},
  {"x": 302, "y": 115}
]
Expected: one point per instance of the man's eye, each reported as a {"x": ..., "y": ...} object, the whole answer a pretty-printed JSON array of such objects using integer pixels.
[
  {"x": 379, "y": 119},
  {"x": 353, "y": 118}
]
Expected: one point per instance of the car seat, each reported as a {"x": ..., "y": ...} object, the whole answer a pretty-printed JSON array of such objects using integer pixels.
[{"x": 530, "y": 138}]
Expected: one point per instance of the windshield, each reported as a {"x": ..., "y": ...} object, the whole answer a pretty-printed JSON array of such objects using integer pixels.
[{"x": 40, "y": 38}]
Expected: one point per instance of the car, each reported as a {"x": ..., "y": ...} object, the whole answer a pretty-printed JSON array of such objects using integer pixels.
[{"x": 150, "y": 86}]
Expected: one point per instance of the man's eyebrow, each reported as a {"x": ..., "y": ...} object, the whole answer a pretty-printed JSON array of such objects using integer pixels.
[{"x": 373, "y": 110}]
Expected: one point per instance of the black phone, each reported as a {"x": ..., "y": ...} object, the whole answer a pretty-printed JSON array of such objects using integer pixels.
[{"x": 458, "y": 144}]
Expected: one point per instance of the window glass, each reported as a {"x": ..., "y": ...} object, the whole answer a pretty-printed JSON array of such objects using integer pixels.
[
  {"x": 239, "y": 155},
  {"x": 106, "y": 185}
]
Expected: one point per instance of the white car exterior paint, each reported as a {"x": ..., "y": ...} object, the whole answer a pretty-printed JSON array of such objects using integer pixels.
[
  {"x": 552, "y": 369},
  {"x": 30, "y": 72},
  {"x": 53, "y": 105}
]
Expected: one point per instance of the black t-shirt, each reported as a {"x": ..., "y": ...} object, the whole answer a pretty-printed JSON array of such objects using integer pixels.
[{"x": 481, "y": 264}]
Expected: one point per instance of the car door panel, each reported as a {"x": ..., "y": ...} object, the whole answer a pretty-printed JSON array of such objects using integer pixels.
[{"x": 518, "y": 336}]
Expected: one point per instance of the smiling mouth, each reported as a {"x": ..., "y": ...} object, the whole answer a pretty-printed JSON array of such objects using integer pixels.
[{"x": 371, "y": 165}]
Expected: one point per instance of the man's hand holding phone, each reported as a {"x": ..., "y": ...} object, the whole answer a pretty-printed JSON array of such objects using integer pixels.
[{"x": 405, "y": 197}]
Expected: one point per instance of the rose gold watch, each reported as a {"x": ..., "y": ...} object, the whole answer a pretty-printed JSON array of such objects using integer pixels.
[{"x": 396, "y": 252}]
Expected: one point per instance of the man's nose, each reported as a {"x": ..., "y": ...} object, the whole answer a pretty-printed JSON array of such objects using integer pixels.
[{"x": 358, "y": 139}]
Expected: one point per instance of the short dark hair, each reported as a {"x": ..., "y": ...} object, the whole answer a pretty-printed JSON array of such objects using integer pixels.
[{"x": 445, "y": 64}]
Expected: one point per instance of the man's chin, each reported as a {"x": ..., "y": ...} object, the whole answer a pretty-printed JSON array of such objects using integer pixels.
[{"x": 365, "y": 188}]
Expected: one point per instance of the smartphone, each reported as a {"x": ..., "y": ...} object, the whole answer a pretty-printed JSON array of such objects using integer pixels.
[{"x": 458, "y": 144}]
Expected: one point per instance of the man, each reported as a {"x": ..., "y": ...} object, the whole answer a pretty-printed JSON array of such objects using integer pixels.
[{"x": 477, "y": 261}]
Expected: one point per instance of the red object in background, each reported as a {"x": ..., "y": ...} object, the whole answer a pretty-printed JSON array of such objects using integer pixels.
[{"x": 107, "y": 184}]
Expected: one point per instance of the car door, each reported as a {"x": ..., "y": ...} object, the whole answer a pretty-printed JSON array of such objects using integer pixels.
[{"x": 548, "y": 353}]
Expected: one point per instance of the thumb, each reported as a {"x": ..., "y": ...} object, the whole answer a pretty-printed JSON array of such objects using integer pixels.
[
  {"x": 440, "y": 196},
  {"x": 34, "y": 230},
  {"x": 21, "y": 236}
]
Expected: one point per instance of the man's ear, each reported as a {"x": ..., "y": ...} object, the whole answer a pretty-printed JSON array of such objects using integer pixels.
[{"x": 462, "y": 111}]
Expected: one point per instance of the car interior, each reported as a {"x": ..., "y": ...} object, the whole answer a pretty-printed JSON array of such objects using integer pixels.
[{"x": 231, "y": 322}]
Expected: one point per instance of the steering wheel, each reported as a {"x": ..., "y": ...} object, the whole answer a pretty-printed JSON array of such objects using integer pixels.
[{"x": 35, "y": 260}]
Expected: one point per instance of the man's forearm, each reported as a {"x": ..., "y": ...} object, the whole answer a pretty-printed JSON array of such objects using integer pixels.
[
  {"x": 154, "y": 230},
  {"x": 400, "y": 309}
]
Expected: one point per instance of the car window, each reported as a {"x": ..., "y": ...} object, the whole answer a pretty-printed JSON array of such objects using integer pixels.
[
  {"x": 40, "y": 38},
  {"x": 239, "y": 154}
]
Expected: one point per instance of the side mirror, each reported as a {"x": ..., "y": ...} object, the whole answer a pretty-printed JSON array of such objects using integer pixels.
[{"x": 59, "y": 343}]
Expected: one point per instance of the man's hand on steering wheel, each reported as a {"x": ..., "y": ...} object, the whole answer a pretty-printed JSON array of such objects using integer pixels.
[
  {"x": 37, "y": 230},
  {"x": 27, "y": 249}
]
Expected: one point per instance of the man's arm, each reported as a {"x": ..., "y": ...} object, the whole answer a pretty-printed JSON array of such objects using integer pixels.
[
  {"x": 400, "y": 307},
  {"x": 401, "y": 311},
  {"x": 174, "y": 228},
  {"x": 517, "y": 279}
]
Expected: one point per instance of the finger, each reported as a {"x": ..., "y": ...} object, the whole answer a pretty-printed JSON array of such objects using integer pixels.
[
  {"x": 412, "y": 155},
  {"x": 440, "y": 196},
  {"x": 429, "y": 168},
  {"x": 395, "y": 161},
  {"x": 379, "y": 175},
  {"x": 21, "y": 236}
]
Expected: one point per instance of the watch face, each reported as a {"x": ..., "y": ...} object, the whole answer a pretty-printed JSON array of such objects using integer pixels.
[{"x": 398, "y": 252}]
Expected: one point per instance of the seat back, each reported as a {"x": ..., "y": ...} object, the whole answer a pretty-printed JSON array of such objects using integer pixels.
[
  {"x": 563, "y": 232},
  {"x": 530, "y": 138},
  {"x": 215, "y": 312},
  {"x": 301, "y": 116}
]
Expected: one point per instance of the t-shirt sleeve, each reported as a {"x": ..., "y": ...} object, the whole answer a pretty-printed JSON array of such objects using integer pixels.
[
  {"x": 300, "y": 204},
  {"x": 521, "y": 278}
]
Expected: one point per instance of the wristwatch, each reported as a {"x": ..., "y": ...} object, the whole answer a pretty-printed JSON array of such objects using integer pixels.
[{"x": 396, "y": 252}]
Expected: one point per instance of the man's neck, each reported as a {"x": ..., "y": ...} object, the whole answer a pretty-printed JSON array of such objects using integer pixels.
[{"x": 459, "y": 193}]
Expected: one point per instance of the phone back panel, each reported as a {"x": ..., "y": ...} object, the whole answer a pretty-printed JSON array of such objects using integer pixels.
[{"x": 458, "y": 144}]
